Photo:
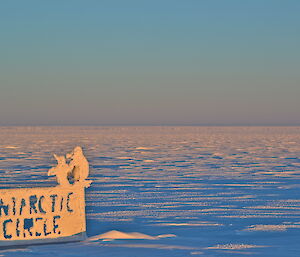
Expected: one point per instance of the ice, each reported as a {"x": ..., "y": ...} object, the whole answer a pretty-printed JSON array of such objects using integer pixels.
[{"x": 223, "y": 191}]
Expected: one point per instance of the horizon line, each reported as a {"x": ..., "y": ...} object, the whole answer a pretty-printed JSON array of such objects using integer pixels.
[{"x": 150, "y": 125}]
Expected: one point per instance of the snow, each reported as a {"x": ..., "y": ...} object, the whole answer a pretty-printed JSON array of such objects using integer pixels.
[
  {"x": 170, "y": 191},
  {"x": 114, "y": 234}
]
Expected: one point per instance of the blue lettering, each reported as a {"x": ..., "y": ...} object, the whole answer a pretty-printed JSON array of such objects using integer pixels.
[
  {"x": 32, "y": 202},
  {"x": 28, "y": 224},
  {"x": 14, "y": 205},
  {"x": 23, "y": 204},
  {"x": 3, "y": 208},
  {"x": 7, "y": 236},
  {"x": 61, "y": 203},
  {"x": 17, "y": 227},
  {"x": 53, "y": 201},
  {"x": 68, "y": 202},
  {"x": 55, "y": 226},
  {"x": 37, "y": 233},
  {"x": 40, "y": 204},
  {"x": 45, "y": 229}
]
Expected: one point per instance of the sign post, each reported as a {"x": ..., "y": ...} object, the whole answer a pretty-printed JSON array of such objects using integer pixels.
[{"x": 47, "y": 214}]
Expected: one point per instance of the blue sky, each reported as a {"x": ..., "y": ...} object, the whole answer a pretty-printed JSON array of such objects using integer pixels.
[{"x": 150, "y": 62}]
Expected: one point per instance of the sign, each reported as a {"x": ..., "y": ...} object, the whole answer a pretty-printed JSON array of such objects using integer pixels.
[{"x": 37, "y": 213}]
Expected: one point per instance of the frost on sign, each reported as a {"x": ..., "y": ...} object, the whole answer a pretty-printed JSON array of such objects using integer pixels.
[{"x": 45, "y": 214}]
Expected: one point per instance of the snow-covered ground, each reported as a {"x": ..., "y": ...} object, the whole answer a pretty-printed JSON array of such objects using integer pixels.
[{"x": 170, "y": 191}]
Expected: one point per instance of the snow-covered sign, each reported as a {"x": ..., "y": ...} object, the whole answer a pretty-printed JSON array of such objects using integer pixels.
[{"x": 47, "y": 214}]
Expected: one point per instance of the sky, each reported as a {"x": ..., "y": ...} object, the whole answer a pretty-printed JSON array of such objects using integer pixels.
[{"x": 158, "y": 62}]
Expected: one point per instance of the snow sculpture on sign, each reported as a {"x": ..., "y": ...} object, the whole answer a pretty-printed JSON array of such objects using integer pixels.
[
  {"x": 61, "y": 171},
  {"x": 77, "y": 169},
  {"x": 79, "y": 164}
]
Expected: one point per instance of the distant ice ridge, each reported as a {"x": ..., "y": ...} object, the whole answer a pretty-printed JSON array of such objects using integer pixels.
[
  {"x": 115, "y": 234},
  {"x": 279, "y": 227},
  {"x": 234, "y": 246}
]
